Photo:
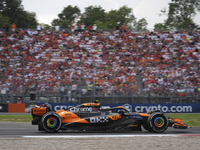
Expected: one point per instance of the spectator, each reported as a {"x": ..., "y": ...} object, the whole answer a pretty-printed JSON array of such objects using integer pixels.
[
  {"x": 76, "y": 28},
  {"x": 82, "y": 27},
  {"x": 166, "y": 61},
  {"x": 69, "y": 96},
  {"x": 90, "y": 28},
  {"x": 124, "y": 28},
  {"x": 84, "y": 91},
  {"x": 90, "y": 86},
  {"x": 62, "y": 90},
  {"x": 94, "y": 28},
  {"x": 57, "y": 28},
  {"x": 19, "y": 101},
  {"x": 79, "y": 27},
  {"x": 39, "y": 28},
  {"x": 7, "y": 28},
  {"x": 72, "y": 28},
  {"x": 74, "y": 88},
  {"x": 117, "y": 28},
  {"x": 13, "y": 27},
  {"x": 4, "y": 27}
]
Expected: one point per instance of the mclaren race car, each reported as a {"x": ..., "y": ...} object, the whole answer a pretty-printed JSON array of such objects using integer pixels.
[{"x": 89, "y": 117}]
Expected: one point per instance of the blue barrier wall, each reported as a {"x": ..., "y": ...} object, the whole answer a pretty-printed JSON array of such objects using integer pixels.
[{"x": 142, "y": 108}]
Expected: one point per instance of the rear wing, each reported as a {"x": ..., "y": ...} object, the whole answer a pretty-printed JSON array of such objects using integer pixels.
[{"x": 40, "y": 110}]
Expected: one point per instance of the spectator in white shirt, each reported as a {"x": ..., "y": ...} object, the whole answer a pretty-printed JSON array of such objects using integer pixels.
[
  {"x": 39, "y": 27},
  {"x": 57, "y": 28},
  {"x": 94, "y": 28}
]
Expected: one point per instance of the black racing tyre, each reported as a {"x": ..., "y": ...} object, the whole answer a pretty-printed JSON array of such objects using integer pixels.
[
  {"x": 51, "y": 122},
  {"x": 146, "y": 127},
  {"x": 158, "y": 122}
]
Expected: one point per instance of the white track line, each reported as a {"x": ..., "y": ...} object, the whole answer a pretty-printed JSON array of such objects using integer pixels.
[{"x": 93, "y": 136}]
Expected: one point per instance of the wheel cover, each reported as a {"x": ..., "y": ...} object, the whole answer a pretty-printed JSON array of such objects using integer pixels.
[
  {"x": 51, "y": 122},
  {"x": 159, "y": 122}
]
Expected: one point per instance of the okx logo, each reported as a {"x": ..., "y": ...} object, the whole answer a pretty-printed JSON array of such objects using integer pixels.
[{"x": 128, "y": 107}]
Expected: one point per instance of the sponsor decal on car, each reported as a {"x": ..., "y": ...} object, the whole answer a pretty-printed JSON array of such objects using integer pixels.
[
  {"x": 39, "y": 110},
  {"x": 81, "y": 109},
  {"x": 98, "y": 119},
  {"x": 116, "y": 117},
  {"x": 66, "y": 114},
  {"x": 135, "y": 116}
]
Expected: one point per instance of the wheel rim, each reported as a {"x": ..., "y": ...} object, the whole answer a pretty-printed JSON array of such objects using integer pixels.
[
  {"x": 51, "y": 122},
  {"x": 159, "y": 122}
]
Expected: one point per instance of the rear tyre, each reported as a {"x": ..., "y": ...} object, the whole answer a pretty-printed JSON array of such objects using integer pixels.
[
  {"x": 51, "y": 122},
  {"x": 146, "y": 127},
  {"x": 158, "y": 122}
]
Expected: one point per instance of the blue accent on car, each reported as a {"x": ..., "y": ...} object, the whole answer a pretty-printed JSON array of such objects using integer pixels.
[{"x": 136, "y": 116}]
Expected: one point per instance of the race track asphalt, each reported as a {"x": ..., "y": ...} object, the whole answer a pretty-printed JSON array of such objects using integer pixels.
[{"x": 17, "y": 129}]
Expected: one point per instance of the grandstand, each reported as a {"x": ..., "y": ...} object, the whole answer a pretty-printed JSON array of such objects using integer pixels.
[{"x": 130, "y": 67}]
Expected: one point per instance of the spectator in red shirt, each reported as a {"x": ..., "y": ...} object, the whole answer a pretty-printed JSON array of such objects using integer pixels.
[{"x": 90, "y": 28}]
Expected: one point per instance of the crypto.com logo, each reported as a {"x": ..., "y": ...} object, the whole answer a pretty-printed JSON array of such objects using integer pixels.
[{"x": 128, "y": 107}]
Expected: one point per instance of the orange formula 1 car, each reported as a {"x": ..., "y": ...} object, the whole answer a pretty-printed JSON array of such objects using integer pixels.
[{"x": 89, "y": 117}]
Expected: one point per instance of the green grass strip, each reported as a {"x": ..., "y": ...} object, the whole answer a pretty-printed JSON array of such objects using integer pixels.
[
  {"x": 192, "y": 120},
  {"x": 15, "y": 118}
]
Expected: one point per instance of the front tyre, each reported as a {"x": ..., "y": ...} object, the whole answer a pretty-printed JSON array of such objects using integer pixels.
[
  {"x": 158, "y": 122},
  {"x": 51, "y": 122}
]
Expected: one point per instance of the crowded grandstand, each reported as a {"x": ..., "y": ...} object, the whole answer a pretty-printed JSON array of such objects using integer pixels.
[{"x": 101, "y": 63}]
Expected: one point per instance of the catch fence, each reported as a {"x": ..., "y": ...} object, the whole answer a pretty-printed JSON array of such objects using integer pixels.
[{"x": 105, "y": 95}]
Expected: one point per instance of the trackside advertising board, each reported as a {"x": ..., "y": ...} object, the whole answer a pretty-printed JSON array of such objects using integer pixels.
[
  {"x": 3, "y": 107},
  {"x": 141, "y": 108},
  {"x": 13, "y": 108}
]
